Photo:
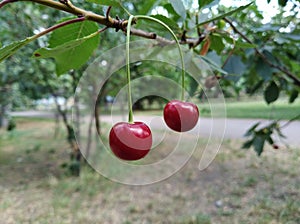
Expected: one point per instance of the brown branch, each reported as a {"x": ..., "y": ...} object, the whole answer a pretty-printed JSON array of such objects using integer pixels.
[
  {"x": 108, "y": 12},
  {"x": 228, "y": 57},
  {"x": 57, "y": 26},
  {"x": 163, "y": 41},
  {"x": 5, "y": 2},
  {"x": 290, "y": 121},
  {"x": 108, "y": 21},
  {"x": 283, "y": 69}
]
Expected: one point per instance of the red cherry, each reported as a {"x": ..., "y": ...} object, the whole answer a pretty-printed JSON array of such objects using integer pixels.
[
  {"x": 275, "y": 146},
  {"x": 130, "y": 141},
  {"x": 181, "y": 116}
]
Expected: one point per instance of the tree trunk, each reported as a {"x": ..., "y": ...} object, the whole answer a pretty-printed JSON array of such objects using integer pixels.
[
  {"x": 89, "y": 138},
  {"x": 75, "y": 153},
  {"x": 1, "y": 116}
]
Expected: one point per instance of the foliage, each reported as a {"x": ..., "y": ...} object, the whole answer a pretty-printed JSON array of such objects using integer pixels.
[
  {"x": 248, "y": 54},
  {"x": 11, "y": 125},
  {"x": 260, "y": 136}
]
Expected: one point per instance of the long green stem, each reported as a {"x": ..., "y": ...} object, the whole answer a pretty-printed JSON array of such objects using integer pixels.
[
  {"x": 178, "y": 45},
  {"x": 130, "y": 113}
]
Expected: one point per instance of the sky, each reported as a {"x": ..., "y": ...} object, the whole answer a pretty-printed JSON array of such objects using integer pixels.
[{"x": 268, "y": 9}]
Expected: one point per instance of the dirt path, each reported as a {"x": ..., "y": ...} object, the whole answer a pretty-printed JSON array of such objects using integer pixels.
[
  {"x": 220, "y": 127},
  {"x": 238, "y": 187}
]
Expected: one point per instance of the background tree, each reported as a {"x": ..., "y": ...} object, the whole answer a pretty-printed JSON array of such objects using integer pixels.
[{"x": 246, "y": 54}]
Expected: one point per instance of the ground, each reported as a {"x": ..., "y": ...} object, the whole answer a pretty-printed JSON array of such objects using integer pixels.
[{"x": 238, "y": 187}]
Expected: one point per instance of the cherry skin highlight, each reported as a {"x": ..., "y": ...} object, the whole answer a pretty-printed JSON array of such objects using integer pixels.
[
  {"x": 130, "y": 141},
  {"x": 181, "y": 116}
]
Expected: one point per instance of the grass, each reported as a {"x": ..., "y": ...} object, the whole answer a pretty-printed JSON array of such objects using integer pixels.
[
  {"x": 34, "y": 188},
  {"x": 255, "y": 108},
  {"x": 248, "y": 108}
]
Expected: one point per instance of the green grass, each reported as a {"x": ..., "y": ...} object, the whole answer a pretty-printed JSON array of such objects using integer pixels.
[{"x": 251, "y": 108}]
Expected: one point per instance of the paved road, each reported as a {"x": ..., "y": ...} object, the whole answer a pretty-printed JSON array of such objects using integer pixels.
[
  {"x": 221, "y": 127},
  {"x": 218, "y": 127}
]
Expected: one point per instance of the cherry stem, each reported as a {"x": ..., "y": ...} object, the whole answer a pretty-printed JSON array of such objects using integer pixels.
[
  {"x": 130, "y": 20},
  {"x": 130, "y": 114},
  {"x": 178, "y": 45}
]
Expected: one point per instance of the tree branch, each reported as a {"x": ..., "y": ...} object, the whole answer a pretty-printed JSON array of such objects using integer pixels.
[
  {"x": 5, "y": 2},
  {"x": 52, "y": 28},
  {"x": 193, "y": 42},
  {"x": 107, "y": 21},
  {"x": 282, "y": 69}
]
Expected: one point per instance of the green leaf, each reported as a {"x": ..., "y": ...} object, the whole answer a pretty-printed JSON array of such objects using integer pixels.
[
  {"x": 235, "y": 65},
  {"x": 293, "y": 96},
  {"x": 12, "y": 48},
  {"x": 251, "y": 130},
  {"x": 258, "y": 85},
  {"x": 217, "y": 43},
  {"x": 71, "y": 46},
  {"x": 203, "y": 3},
  {"x": 70, "y": 55},
  {"x": 271, "y": 93},
  {"x": 217, "y": 59},
  {"x": 225, "y": 14},
  {"x": 293, "y": 37},
  {"x": 213, "y": 64},
  {"x": 172, "y": 13},
  {"x": 179, "y": 8},
  {"x": 282, "y": 2},
  {"x": 266, "y": 27},
  {"x": 192, "y": 85},
  {"x": 244, "y": 44},
  {"x": 270, "y": 140},
  {"x": 270, "y": 56},
  {"x": 228, "y": 38},
  {"x": 279, "y": 131},
  {"x": 71, "y": 32},
  {"x": 173, "y": 25},
  {"x": 247, "y": 144},
  {"x": 106, "y": 2},
  {"x": 264, "y": 70},
  {"x": 147, "y": 6},
  {"x": 258, "y": 144},
  {"x": 212, "y": 4}
]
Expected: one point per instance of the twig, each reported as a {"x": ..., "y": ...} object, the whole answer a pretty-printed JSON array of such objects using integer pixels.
[
  {"x": 107, "y": 21},
  {"x": 290, "y": 121},
  {"x": 197, "y": 21},
  {"x": 108, "y": 12},
  {"x": 5, "y": 2},
  {"x": 282, "y": 69},
  {"x": 103, "y": 29},
  {"x": 228, "y": 57},
  {"x": 163, "y": 41},
  {"x": 52, "y": 28}
]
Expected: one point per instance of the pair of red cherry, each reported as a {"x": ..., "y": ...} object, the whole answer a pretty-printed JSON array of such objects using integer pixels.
[{"x": 133, "y": 141}]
